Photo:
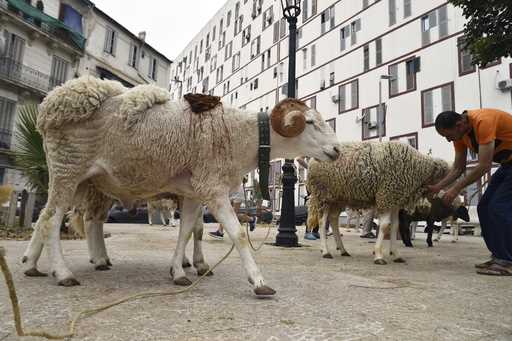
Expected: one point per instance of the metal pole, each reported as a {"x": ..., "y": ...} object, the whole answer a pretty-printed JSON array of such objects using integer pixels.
[{"x": 287, "y": 232}]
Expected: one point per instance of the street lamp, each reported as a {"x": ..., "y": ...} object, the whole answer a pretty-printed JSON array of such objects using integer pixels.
[
  {"x": 287, "y": 232},
  {"x": 381, "y": 105}
]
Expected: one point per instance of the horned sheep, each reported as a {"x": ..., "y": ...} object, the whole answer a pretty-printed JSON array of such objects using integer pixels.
[
  {"x": 386, "y": 176},
  {"x": 133, "y": 144}
]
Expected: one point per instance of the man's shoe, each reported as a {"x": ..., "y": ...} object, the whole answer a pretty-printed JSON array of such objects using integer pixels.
[
  {"x": 216, "y": 235},
  {"x": 485, "y": 264},
  {"x": 310, "y": 236}
]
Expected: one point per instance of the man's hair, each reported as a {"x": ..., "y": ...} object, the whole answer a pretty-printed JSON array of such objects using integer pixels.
[{"x": 447, "y": 120}]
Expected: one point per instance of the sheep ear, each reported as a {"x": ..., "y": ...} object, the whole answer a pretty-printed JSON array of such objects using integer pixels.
[{"x": 288, "y": 117}]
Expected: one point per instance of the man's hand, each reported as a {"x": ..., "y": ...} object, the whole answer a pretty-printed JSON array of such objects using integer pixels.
[{"x": 449, "y": 196}]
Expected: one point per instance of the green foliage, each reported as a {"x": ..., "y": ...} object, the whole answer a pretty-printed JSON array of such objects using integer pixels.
[
  {"x": 29, "y": 155},
  {"x": 488, "y": 29}
]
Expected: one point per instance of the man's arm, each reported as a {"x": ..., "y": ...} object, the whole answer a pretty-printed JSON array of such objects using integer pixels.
[
  {"x": 459, "y": 166},
  {"x": 485, "y": 155}
]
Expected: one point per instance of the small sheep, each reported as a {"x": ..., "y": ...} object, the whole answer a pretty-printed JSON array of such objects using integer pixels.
[
  {"x": 135, "y": 144},
  {"x": 387, "y": 176},
  {"x": 166, "y": 207}
]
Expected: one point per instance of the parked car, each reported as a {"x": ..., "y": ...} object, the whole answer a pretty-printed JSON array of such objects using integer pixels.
[
  {"x": 301, "y": 215},
  {"x": 264, "y": 216},
  {"x": 121, "y": 215}
]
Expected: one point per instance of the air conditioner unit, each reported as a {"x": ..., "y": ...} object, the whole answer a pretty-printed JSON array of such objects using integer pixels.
[
  {"x": 505, "y": 84},
  {"x": 335, "y": 98},
  {"x": 322, "y": 84}
]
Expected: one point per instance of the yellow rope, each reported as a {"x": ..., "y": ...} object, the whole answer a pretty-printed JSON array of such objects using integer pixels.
[{"x": 88, "y": 312}]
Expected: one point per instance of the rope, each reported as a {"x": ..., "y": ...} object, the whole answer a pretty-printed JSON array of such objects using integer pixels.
[
  {"x": 88, "y": 312},
  {"x": 255, "y": 249}
]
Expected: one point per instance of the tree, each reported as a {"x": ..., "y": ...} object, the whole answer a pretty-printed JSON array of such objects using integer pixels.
[
  {"x": 29, "y": 155},
  {"x": 488, "y": 29}
]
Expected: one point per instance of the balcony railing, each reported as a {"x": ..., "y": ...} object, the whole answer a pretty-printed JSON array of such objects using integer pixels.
[
  {"x": 49, "y": 25},
  {"x": 5, "y": 139},
  {"x": 23, "y": 75}
]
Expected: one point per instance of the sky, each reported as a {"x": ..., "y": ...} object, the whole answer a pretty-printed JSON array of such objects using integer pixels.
[{"x": 169, "y": 24}]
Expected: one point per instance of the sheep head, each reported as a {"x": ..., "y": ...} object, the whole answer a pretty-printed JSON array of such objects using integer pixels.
[{"x": 287, "y": 117}]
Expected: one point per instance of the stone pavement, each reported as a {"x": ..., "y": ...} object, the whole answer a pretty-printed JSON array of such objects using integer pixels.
[{"x": 435, "y": 296}]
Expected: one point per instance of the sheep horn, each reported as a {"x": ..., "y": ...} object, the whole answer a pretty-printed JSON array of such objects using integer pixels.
[{"x": 288, "y": 118}]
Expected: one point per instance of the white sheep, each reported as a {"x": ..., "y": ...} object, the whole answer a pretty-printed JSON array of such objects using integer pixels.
[
  {"x": 132, "y": 144},
  {"x": 387, "y": 176},
  {"x": 166, "y": 208}
]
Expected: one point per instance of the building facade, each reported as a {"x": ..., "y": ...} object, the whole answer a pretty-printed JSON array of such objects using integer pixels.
[
  {"x": 344, "y": 50},
  {"x": 48, "y": 42}
]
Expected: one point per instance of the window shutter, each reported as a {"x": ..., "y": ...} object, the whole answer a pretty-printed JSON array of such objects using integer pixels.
[
  {"x": 130, "y": 56},
  {"x": 428, "y": 107},
  {"x": 432, "y": 18},
  {"x": 446, "y": 97},
  {"x": 343, "y": 98},
  {"x": 392, "y": 12},
  {"x": 443, "y": 21},
  {"x": 358, "y": 25},
  {"x": 393, "y": 84},
  {"x": 276, "y": 31},
  {"x": 355, "y": 94},
  {"x": 425, "y": 35},
  {"x": 342, "y": 40},
  {"x": 332, "y": 17},
  {"x": 407, "y": 8},
  {"x": 107, "y": 40},
  {"x": 313, "y": 7}
]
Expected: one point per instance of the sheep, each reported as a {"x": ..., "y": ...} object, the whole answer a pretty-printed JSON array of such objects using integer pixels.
[
  {"x": 5, "y": 194},
  {"x": 166, "y": 207},
  {"x": 424, "y": 211},
  {"x": 136, "y": 143},
  {"x": 387, "y": 176}
]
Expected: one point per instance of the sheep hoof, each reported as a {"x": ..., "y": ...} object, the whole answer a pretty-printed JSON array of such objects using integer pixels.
[
  {"x": 183, "y": 281},
  {"x": 264, "y": 291},
  {"x": 327, "y": 255},
  {"x": 186, "y": 264},
  {"x": 399, "y": 260},
  {"x": 380, "y": 261},
  {"x": 68, "y": 282},
  {"x": 34, "y": 273},
  {"x": 102, "y": 267},
  {"x": 201, "y": 272},
  {"x": 109, "y": 263},
  {"x": 346, "y": 254}
]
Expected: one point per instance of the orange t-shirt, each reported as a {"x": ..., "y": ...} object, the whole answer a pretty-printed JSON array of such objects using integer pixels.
[{"x": 489, "y": 125}]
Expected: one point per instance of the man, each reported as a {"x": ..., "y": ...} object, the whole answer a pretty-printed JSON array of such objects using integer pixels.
[{"x": 487, "y": 132}]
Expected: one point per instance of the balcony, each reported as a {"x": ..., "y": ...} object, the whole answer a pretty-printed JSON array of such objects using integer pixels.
[
  {"x": 41, "y": 24},
  {"x": 25, "y": 77}
]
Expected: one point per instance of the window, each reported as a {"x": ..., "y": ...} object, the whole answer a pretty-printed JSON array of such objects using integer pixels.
[
  {"x": 225, "y": 88},
  {"x": 265, "y": 60},
  {"x": 220, "y": 74},
  {"x": 407, "y": 8},
  {"x": 366, "y": 57},
  {"x": 213, "y": 33},
  {"x": 403, "y": 76},
  {"x": 304, "y": 59},
  {"x": 238, "y": 24},
  {"x": 246, "y": 35},
  {"x": 7, "y": 112},
  {"x": 213, "y": 63},
  {"x": 355, "y": 26},
  {"x": 392, "y": 12},
  {"x": 207, "y": 54},
  {"x": 222, "y": 40},
  {"x": 370, "y": 122},
  {"x": 436, "y": 22},
  {"x": 229, "y": 51},
  {"x": 256, "y": 8},
  {"x": 304, "y": 10},
  {"x": 237, "y": 9},
  {"x": 344, "y": 34},
  {"x": 254, "y": 84},
  {"x": 207, "y": 39},
  {"x": 466, "y": 65},
  {"x": 15, "y": 48},
  {"x": 255, "y": 47},
  {"x": 331, "y": 78},
  {"x": 443, "y": 21},
  {"x": 436, "y": 100},
  {"x": 313, "y": 55},
  {"x": 276, "y": 31},
  {"x": 327, "y": 19},
  {"x": 200, "y": 74},
  {"x": 366, "y": 3},
  {"x": 311, "y": 102},
  {"x": 348, "y": 96},
  {"x": 236, "y": 61},
  {"x": 314, "y": 7},
  {"x": 228, "y": 19},
  {"x": 378, "y": 51},
  {"x": 283, "y": 28},
  {"x": 152, "y": 68},
  {"x": 205, "y": 85},
  {"x": 59, "y": 71},
  {"x": 110, "y": 41},
  {"x": 410, "y": 139},
  {"x": 221, "y": 25},
  {"x": 332, "y": 123},
  {"x": 268, "y": 17}
]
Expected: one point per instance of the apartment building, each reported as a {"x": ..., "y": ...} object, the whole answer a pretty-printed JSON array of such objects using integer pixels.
[
  {"x": 50, "y": 41},
  {"x": 343, "y": 50}
]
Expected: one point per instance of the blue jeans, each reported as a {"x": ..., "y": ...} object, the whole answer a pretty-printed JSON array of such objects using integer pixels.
[{"x": 495, "y": 215}]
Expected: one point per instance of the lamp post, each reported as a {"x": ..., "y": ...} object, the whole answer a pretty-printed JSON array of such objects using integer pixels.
[
  {"x": 381, "y": 105},
  {"x": 287, "y": 232}
]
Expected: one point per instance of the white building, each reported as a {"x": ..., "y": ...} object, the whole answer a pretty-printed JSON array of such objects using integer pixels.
[
  {"x": 51, "y": 41},
  {"x": 343, "y": 49}
]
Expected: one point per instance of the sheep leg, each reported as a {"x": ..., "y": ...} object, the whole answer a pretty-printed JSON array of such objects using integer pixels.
[
  {"x": 441, "y": 230},
  {"x": 384, "y": 223},
  {"x": 33, "y": 251},
  {"x": 150, "y": 215},
  {"x": 334, "y": 221},
  {"x": 454, "y": 226},
  {"x": 172, "y": 221},
  {"x": 188, "y": 218},
  {"x": 96, "y": 244},
  {"x": 201, "y": 266},
  {"x": 393, "y": 242},
  {"x": 323, "y": 235},
  {"x": 225, "y": 214},
  {"x": 163, "y": 216}
]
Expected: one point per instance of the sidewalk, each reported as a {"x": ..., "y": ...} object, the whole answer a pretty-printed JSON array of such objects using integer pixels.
[{"x": 435, "y": 296}]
